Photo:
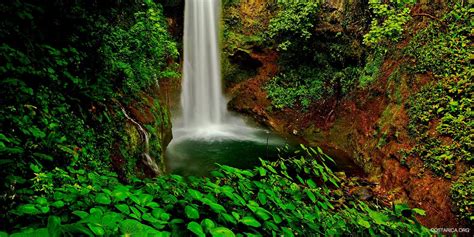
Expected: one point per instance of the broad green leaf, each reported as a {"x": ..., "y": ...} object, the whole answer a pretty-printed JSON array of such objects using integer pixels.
[
  {"x": 135, "y": 213},
  {"x": 123, "y": 208},
  {"x": 287, "y": 232},
  {"x": 103, "y": 198},
  {"x": 378, "y": 217},
  {"x": 250, "y": 221},
  {"x": 191, "y": 212},
  {"x": 208, "y": 224},
  {"x": 195, "y": 228},
  {"x": 222, "y": 232},
  {"x": 236, "y": 215},
  {"x": 81, "y": 214},
  {"x": 120, "y": 195},
  {"x": 262, "y": 198},
  {"x": 228, "y": 218},
  {"x": 310, "y": 195},
  {"x": 41, "y": 201},
  {"x": 217, "y": 208},
  {"x": 131, "y": 227},
  {"x": 54, "y": 225},
  {"x": 148, "y": 217},
  {"x": 29, "y": 209},
  {"x": 144, "y": 199},
  {"x": 110, "y": 219},
  {"x": 96, "y": 228},
  {"x": 262, "y": 213},
  {"x": 58, "y": 204},
  {"x": 363, "y": 222},
  {"x": 195, "y": 194},
  {"x": 44, "y": 209}
]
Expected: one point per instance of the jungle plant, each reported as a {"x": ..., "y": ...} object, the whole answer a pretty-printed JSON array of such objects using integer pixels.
[{"x": 271, "y": 199}]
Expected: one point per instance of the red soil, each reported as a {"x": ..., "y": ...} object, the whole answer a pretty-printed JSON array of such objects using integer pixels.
[{"x": 354, "y": 124}]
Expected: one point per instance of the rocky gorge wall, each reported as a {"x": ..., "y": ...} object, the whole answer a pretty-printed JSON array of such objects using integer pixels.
[{"x": 368, "y": 124}]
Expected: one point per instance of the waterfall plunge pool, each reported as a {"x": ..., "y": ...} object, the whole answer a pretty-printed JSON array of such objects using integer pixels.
[{"x": 198, "y": 152}]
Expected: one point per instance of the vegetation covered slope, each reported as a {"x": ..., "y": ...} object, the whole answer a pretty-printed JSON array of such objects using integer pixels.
[
  {"x": 66, "y": 70},
  {"x": 389, "y": 83}
]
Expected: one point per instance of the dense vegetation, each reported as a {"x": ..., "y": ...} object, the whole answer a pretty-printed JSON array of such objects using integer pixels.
[
  {"x": 67, "y": 68},
  {"x": 448, "y": 55},
  {"x": 441, "y": 117},
  {"x": 269, "y": 200},
  {"x": 315, "y": 65},
  {"x": 70, "y": 159}
]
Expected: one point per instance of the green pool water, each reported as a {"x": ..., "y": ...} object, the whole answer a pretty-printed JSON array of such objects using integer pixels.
[{"x": 197, "y": 155}]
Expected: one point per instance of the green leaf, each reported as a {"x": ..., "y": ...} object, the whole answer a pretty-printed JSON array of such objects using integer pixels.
[
  {"x": 120, "y": 195},
  {"x": 96, "y": 228},
  {"x": 148, "y": 217},
  {"x": 131, "y": 227},
  {"x": 195, "y": 228},
  {"x": 262, "y": 198},
  {"x": 103, "y": 198},
  {"x": 378, "y": 217},
  {"x": 195, "y": 194},
  {"x": 123, "y": 208},
  {"x": 217, "y": 208},
  {"x": 363, "y": 222},
  {"x": 44, "y": 209},
  {"x": 310, "y": 195},
  {"x": 29, "y": 209},
  {"x": 262, "y": 213},
  {"x": 287, "y": 232},
  {"x": 144, "y": 199},
  {"x": 81, "y": 214},
  {"x": 222, "y": 232},
  {"x": 228, "y": 218},
  {"x": 191, "y": 212},
  {"x": 58, "y": 204},
  {"x": 54, "y": 225},
  {"x": 208, "y": 224},
  {"x": 419, "y": 211},
  {"x": 41, "y": 201},
  {"x": 250, "y": 221},
  {"x": 136, "y": 213}
]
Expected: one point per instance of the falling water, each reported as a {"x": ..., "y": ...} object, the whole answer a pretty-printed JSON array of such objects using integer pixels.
[
  {"x": 207, "y": 133},
  {"x": 150, "y": 162},
  {"x": 202, "y": 100}
]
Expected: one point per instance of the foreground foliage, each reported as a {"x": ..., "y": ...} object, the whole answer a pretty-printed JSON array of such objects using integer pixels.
[{"x": 272, "y": 199}]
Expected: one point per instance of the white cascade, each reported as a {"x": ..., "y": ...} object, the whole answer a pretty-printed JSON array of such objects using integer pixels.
[
  {"x": 202, "y": 98},
  {"x": 148, "y": 160}
]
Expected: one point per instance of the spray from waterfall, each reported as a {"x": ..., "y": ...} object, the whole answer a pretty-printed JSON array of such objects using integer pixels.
[{"x": 148, "y": 160}]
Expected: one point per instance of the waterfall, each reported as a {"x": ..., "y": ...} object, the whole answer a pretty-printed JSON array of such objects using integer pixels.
[
  {"x": 149, "y": 161},
  {"x": 202, "y": 99}
]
